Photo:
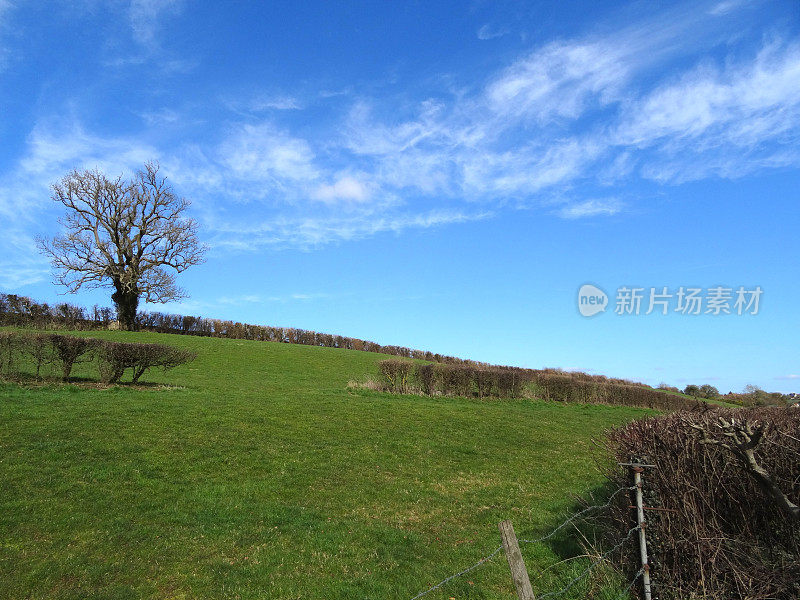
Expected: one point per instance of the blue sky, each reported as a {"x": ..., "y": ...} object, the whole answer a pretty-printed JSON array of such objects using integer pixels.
[{"x": 438, "y": 175}]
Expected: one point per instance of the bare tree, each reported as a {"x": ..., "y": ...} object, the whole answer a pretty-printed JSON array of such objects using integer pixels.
[{"x": 129, "y": 235}]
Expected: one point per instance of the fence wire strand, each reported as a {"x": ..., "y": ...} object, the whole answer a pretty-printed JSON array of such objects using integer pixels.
[
  {"x": 631, "y": 584},
  {"x": 591, "y": 566},
  {"x": 485, "y": 559},
  {"x": 573, "y": 518},
  {"x": 577, "y": 516}
]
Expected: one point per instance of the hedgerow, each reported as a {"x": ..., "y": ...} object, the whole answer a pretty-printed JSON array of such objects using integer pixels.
[
  {"x": 117, "y": 357},
  {"x": 718, "y": 530},
  {"x": 492, "y": 380},
  {"x": 508, "y": 382},
  {"x": 68, "y": 350},
  {"x": 59, "y": 353},
  {"x": 22, "y": 311}
]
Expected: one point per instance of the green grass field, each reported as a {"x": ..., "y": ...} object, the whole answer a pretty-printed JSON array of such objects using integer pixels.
[{"x": 255, "y": 472}]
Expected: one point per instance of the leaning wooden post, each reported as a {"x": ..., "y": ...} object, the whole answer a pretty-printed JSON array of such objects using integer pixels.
[
  {"x": 637, "y": 481},
  {"x": 519, "y": 574}
]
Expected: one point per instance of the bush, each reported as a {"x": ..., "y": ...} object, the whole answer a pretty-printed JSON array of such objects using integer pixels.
[
  {"x": 486, "y": 382},
  {"x": 39, "y": 349},
  {"x": 721, "y": 534},
  {"x": 117, "y": 357},
  {"x": 67, "y": 350},
  {"x": 396, "y": 374},
  {"x": 427, "y": 377},
  {"x": 10, "y": 349},
  {"x": 159, "y": 355},
  {"x": 692, "y": 390},
  {"x": 456, "y": 380},
  {"x": 709, "y": 391}
]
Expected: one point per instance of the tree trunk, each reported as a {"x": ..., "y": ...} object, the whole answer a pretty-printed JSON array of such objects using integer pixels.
[{"x": 126, "y": 302}]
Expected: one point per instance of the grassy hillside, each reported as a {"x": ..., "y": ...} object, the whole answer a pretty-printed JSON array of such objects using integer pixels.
[{"x": 254, "y": 472}]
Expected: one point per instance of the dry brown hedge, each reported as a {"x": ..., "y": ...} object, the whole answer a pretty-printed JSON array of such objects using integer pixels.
[
  {"x": 116, "y": 357},
  {"x": 721, "y": 536},
  {"x": 61, "y": 352},
  {"x": 507, "y": 382},
  {"x": 23, "y": 312}
]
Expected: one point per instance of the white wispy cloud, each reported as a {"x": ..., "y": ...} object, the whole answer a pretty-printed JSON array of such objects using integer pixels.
[
  {"x": 163, "y": 116},
  {"x": 725, "y": 7},
  {"x": 738, "y": 105},
  {"x": 260, "y": 299},
  {"x": 490, "y": 32},
  {"x": 344, "y": 188},
  {"x": 591, "y": 208},
  {"x": 147, "y": 16},
  {"x": 560, "y": 80},
  {"x": 790, "y": 377},
  {"x": 6, "y": 8},
  {"x": 261, "y": 102},
  {"x": 20, "y": 262},
  {"x": 567, "y": 118},
  {"x": 309, "y": 232},
  {"x": 265, "y": 154},
  {"x": 54, "y": 147},
  {"x": 275, "y": 103},
  {"x": 573, "y": 111}
]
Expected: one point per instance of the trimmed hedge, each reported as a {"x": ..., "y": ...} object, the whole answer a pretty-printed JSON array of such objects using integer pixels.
[
  {"x": 719, "y": 534},
  {"x": 117, "y": 357},
  {"x": 402, "y": 376},
  {"x": 67, "y": 350},
  {"x": 24, "y": 312},
  {"x": 57, "y": 354}
]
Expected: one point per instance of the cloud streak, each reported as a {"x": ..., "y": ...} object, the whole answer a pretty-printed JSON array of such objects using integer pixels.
[{"x": 566, "y": 119}]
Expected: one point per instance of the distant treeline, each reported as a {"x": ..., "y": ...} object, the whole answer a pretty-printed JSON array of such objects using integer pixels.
[
  {"x": 21, "y": 311},
  {"x": 479, "y": 381}
]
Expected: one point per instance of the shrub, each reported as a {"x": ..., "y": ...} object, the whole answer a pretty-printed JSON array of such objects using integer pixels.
[
  {"x": 396, "y": 374},
  {"x": 709, "y": 391},
  {"x": 486, "y": 381},
  {"x": 456, "y": 379},
  {"x": 692, "y": 390},
  {"x": 117, "y": 357},
  {"x": 720, "y": 534},
  {"x": 114, "y": 359},
  {"x": 427, "y": 378},
  {"x": 158, "y": 355},
  {"x": 39, "y": 349},
  {"x": 10, "y": 349},
  {"x": 68, "y": 350}
]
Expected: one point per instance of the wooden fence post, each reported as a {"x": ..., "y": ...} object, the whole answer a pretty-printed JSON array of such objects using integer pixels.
[{"x": 519, "y": 574}]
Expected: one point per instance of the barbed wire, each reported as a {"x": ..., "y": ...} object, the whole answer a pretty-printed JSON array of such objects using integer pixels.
[
  {"x": 485, "y": 559},
  {"x": 591, "y": 566},
  {"x": 577, "y": 515},
  {"x": 574, "y": 517},
  {"x": 633, "y": 581}
]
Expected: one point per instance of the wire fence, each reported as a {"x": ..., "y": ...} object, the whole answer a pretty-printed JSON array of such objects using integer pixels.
[
  {"x": 570, "y": 584},
  {"x": 588, "y": 569},
  {"x": 482, "y": 561}
]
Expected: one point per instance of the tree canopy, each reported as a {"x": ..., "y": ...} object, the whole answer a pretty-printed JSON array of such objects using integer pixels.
[{"x": 130, "y": 235}]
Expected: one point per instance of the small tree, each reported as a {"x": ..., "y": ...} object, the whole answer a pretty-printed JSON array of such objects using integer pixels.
[
  {"x": 129, "y": 235},
  {"x": 692, "y": 390}
]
